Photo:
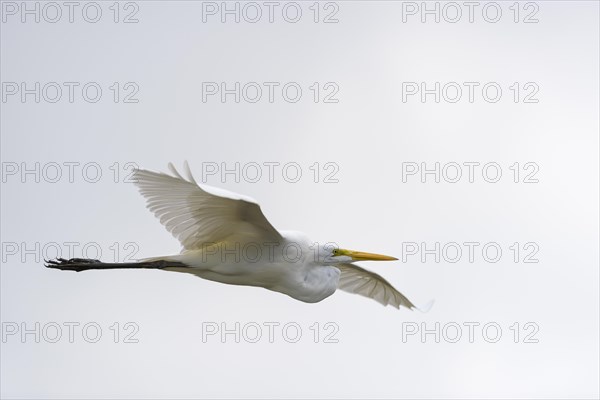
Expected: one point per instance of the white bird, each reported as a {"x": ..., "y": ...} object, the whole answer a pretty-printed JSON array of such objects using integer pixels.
[{"x": 226, "y": 238}]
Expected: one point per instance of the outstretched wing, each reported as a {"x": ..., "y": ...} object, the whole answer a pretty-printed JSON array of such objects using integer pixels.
[
  {"x": 201, "y": 215},
  {"x": 355, "y": 279}
]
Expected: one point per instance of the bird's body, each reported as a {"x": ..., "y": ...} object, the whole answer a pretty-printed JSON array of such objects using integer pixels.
[
  {"x": 290, "y": 266},
  {"x": 227, "y": 239}
]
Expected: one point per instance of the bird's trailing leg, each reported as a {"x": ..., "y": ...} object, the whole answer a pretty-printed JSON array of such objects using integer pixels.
[{"x": 84, "y": 264}]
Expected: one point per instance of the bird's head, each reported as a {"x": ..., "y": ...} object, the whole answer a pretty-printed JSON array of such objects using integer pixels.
[{"x": 337, "y": 256}]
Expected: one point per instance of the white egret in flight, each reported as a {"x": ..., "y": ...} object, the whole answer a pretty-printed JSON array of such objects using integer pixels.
[{"x": 226, "y": 238}]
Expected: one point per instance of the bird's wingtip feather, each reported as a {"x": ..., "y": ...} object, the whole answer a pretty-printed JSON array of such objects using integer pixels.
[
  {"x": 174, "y": 170},
  {"x": 426, "y": 308},
  {"x": 188, "y": 172}
]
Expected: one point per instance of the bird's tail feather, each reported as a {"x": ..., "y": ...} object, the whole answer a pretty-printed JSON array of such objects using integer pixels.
[{"x": 84, "y": 264}]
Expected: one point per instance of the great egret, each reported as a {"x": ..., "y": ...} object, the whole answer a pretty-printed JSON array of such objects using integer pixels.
[{"x": 226, "y": 238}]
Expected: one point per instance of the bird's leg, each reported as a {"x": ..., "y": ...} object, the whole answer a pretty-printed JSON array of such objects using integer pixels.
[{"x": 84, "y": 264}]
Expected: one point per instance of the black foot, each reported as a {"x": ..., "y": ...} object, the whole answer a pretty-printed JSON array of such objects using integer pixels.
[{"x": 73, "y": 264}]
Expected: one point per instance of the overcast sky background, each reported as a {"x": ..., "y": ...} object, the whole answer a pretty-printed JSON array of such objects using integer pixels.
[{"x": 366, "y": 61}]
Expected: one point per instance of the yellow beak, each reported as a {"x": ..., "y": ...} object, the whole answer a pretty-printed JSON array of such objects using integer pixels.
[{"x": 361, "y": 256}]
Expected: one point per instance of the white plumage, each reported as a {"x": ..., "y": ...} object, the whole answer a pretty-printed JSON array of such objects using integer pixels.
[{"x": 217, "y": 227}]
